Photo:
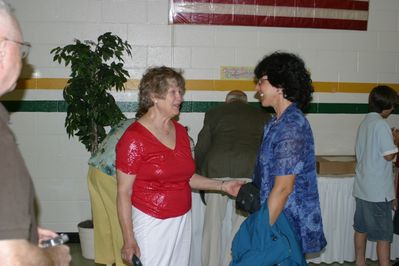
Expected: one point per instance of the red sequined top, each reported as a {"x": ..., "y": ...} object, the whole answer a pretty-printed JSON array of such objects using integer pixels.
[{"x": 161, "y": 188}]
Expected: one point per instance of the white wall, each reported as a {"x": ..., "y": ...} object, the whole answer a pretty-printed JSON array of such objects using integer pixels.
[{"x": 58, "y": 165}]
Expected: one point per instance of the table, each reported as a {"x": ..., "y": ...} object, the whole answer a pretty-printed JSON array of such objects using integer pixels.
[
  {"x": 197, "y": 218},
  {"x": 337, "y": 208}
]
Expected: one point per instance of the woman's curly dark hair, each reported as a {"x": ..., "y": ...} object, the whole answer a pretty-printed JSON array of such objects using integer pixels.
[
  {"x": 288, "y": 72},
  {"x": 156, "y": 82}
]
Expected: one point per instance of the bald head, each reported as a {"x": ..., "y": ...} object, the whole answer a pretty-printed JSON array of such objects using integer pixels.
[
  {"x": 236, "y": 96},
  {"x": 10, "y": 58}
]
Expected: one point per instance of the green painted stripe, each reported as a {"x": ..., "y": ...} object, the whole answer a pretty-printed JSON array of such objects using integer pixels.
[
  {"x": 188, "y": 107},
  {"x": 35, "y": 106},
  {"x": 339, "y": 108}
]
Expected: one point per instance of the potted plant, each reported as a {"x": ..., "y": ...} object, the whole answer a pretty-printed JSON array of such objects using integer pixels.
[{"x": 96, "y": 68}]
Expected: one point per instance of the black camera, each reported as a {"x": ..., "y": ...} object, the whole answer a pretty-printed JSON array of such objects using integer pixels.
[{"x": 136, "y": 261}]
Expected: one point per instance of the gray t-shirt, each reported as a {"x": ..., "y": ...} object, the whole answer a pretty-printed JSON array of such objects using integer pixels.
[{"x": 374, "y": 179}]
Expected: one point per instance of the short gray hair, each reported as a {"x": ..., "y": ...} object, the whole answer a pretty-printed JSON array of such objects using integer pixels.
[
  {"x": 236, "y": 96},
  {"x": 156, "y": 82},
  {"x": 5, "y": 7}
]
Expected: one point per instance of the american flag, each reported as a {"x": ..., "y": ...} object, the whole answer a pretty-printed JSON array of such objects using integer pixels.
[{"x": 326, "y": 14}]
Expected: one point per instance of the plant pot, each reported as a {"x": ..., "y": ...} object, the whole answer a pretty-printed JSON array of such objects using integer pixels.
[{"x": 86, "y": 235}]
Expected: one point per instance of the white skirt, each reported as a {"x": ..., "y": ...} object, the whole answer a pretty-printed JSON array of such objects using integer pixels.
[{"x": 162, "y": 242}]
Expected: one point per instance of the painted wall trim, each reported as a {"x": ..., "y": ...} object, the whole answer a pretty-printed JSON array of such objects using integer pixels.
[{"x": 210, "y": 85}]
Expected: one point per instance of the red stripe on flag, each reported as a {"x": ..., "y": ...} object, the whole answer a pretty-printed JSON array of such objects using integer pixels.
[
  {"x": 312, "y": 23},
  {"x": 333, "y": 4},
  {"x": 246, "y": 20}
]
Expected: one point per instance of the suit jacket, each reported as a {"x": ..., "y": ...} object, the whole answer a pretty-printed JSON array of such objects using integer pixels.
[{"x": 229, "y": 140}]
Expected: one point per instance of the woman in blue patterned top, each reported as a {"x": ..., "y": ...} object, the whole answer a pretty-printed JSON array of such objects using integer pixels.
[{"x": 285, "y": 170}]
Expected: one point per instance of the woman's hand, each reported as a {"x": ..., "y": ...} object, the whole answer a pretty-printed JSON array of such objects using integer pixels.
[
  {"x": 129, "y": 249},
  {"x": 232, "y": 186}
]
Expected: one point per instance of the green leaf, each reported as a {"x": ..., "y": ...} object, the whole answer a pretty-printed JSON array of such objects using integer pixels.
[{"x": 96, "y": 67}]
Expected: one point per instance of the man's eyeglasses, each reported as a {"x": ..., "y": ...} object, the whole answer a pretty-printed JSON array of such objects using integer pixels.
[{"x": 24, "y": 47}]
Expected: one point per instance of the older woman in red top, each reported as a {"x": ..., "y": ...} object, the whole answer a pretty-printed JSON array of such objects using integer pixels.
[{"x": 155, "y": 174}]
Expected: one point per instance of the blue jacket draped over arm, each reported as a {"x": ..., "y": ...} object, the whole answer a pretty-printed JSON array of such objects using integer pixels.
[{"x": 259, "y": 243}]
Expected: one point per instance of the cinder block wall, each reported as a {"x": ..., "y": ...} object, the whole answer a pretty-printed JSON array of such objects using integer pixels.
[{"x": 344, "y": 66}]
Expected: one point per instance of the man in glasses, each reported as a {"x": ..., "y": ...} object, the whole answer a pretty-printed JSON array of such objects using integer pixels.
[{"x": 19, "y": 234}]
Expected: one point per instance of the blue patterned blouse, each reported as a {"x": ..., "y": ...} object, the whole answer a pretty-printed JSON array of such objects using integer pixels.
[
  {"x": 104, "y": 158},
  {"x": 288, "y": 149}
]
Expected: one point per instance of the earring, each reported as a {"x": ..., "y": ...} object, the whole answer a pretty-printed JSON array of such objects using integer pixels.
[{"x": 156, "y": 101}]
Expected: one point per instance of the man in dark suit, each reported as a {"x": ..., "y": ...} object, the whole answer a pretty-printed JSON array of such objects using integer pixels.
[{"x": 227, "y": 148}]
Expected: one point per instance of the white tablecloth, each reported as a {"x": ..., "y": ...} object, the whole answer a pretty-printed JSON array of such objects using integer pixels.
[
  {"x": 198, "y": 212},
  {"x": 337, "y": 207}
]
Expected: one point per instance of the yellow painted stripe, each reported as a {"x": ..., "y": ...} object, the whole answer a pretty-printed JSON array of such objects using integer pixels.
[
  {"x": 210, "y": 85},
  {"x": 41, "y": 83}
]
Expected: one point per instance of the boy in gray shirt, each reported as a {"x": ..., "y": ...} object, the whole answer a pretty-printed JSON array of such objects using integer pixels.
[{"x": 374, "y": 183}]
